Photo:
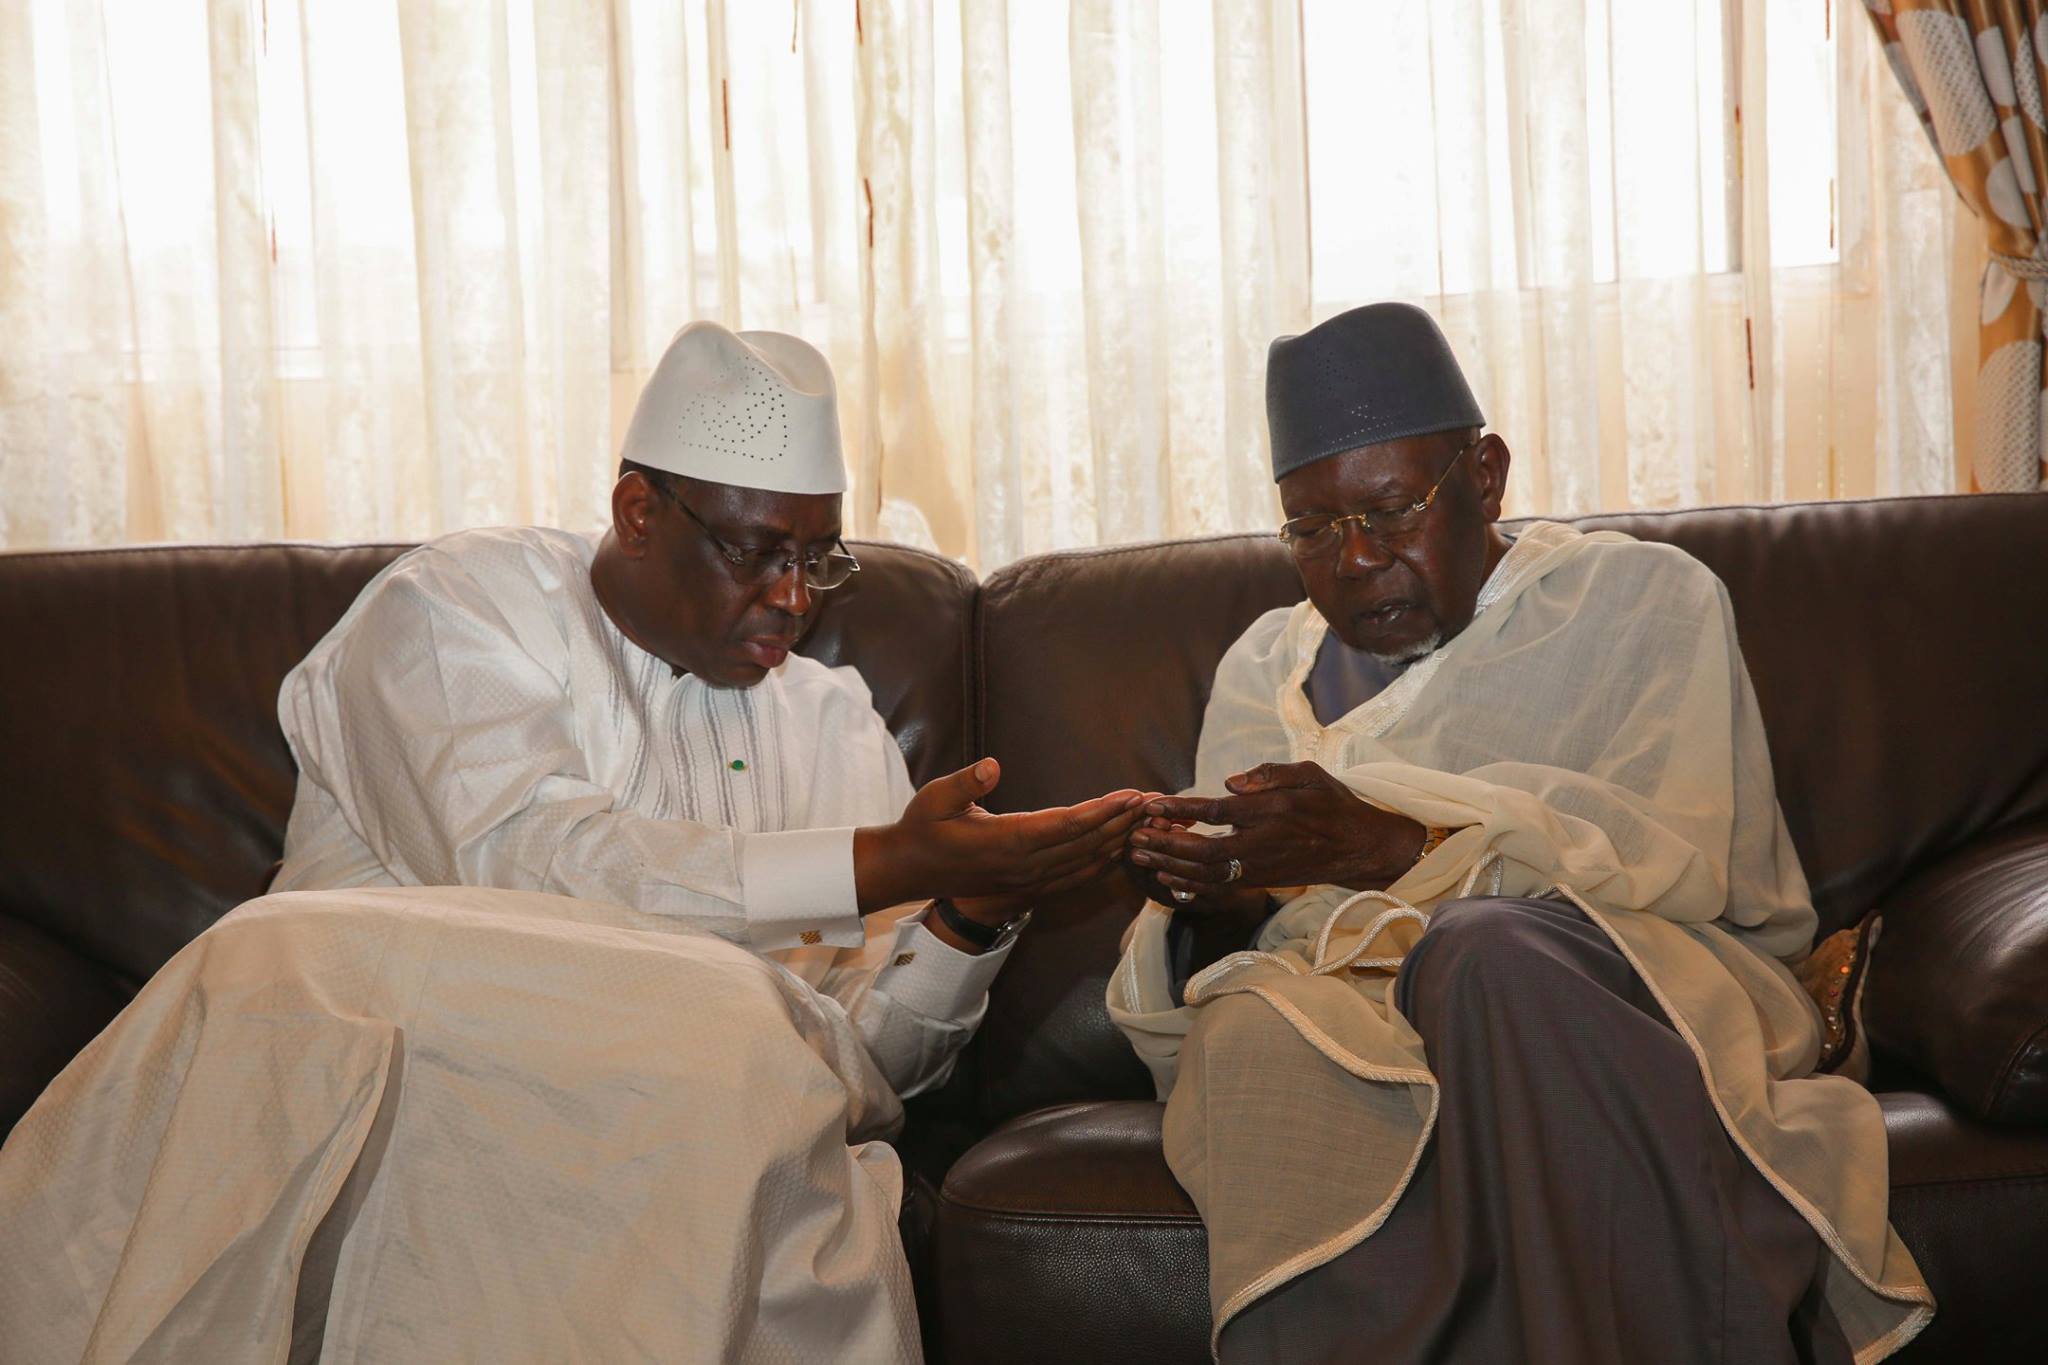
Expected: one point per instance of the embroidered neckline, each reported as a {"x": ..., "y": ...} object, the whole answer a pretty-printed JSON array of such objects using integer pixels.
[{"x": 1306, "y": 736}]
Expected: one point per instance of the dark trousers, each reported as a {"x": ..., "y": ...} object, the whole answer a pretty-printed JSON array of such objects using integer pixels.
[{"x": 1579, "y": 1202}]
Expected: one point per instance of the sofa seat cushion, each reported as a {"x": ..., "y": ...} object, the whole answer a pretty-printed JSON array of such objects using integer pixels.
[
  {"x": 1063, "y": 1236},
  {"x": 1971, "y": 1201},
  {"x": 53, "y": 1001}
]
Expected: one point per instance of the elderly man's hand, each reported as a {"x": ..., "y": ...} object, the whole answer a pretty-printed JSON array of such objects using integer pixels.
[
  {"x": 1238, "y": 900},
  {"x": 945, "y": 844},
  {"x": 1291, "y": 824}
]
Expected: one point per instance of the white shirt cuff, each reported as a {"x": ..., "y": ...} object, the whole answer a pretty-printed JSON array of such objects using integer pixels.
[
  {"x": 799, "y": 889},
  {"x": 929, "y": 976}
]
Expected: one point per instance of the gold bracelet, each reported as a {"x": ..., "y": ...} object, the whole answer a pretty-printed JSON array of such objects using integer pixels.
[{"x": 1432, "y": 835}]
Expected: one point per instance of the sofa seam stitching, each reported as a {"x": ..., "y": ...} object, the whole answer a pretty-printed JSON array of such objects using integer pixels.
[
  {"x": 960, "y": 571},
  {"x": 2004, "y": 1074},
  {"x": 2016, "y": 1178},
  {"x": 1660, "y": 514},
  {"x": 1074, "y": 1215},
  {"x": 158, "y": 547},
  {"x": 1195, "y": 1219},
  {"x": 1027, "y": 569},
  {"x": 1095, "y": 551},
  {"x": 976, "y": 739}
]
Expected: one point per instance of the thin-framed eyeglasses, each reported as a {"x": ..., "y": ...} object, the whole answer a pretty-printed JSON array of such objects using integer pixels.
[
  {"x": 757, "y": 568},
  {"x": 1314, "y": 536}
]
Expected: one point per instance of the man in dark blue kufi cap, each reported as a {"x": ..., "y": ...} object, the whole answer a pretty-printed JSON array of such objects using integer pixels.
[
  {"x": 1371, "y": 417},
  {"x": 1495, "y": 815},
  {"x": 1373, "y": 375}
]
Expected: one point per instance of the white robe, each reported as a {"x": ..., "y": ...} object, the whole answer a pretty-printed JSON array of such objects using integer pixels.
[
  {"x": 545, "y": 1129},
  {"x": 476, "y": 719},
  {"x": 635, "y": 1118}
]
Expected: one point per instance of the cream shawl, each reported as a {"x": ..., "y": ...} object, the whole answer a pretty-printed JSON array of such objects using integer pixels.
[{"x": 1592, "y": 732}]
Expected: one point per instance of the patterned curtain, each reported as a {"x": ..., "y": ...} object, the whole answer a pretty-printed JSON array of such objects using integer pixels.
[{"x": 1973, "y": 70}]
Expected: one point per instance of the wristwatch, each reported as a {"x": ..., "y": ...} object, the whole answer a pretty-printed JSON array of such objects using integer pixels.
[
  {"x": 986, "y": 937},
  {"x": 1432, "y": 835}
]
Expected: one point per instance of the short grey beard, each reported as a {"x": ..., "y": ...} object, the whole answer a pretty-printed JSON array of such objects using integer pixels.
[{"x": 1416, "y": 653}]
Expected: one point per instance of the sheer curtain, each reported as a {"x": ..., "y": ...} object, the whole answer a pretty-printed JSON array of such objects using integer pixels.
[
  {"x": 324, "y": 269},
  {"x": 1692, "y": 252}
]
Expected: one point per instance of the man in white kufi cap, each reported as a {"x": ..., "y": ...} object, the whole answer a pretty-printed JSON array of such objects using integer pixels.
[
  {"x": 656, "y": 934},
  {"x": 749, "y": 409}
]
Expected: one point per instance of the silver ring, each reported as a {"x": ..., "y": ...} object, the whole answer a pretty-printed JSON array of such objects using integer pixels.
[
  {"x": 1183, "y": 896},
  {"x": 1236, "y": 871}
]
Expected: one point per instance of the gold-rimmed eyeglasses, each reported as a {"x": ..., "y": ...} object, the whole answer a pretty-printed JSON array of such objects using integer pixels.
[
  {"x": 1320, "y": 533},
  {"x": 757, "y": 568}
]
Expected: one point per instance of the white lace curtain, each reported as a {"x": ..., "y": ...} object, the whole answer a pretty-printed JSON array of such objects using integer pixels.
[{"x": 331, "y": 269}]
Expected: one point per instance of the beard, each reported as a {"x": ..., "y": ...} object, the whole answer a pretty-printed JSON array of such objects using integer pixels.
[{"x": 1410, "y": 654}]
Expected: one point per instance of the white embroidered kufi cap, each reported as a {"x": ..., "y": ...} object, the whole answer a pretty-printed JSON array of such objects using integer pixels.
[{"x": 750, "y": 409}]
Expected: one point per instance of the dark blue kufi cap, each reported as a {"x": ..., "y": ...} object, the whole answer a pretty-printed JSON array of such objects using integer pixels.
[{"x": 1371, "y": 375}]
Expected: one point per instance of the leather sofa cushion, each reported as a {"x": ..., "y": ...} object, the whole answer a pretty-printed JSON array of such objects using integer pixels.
[
  {"x": 1971, "y": 1202},
  {"x": 1894, "y": 644},
  {"x": 1958, "y": 982},
  {"x": 906, "y": 623},
  {"x": 148, "y": 780},
  {"x": 52, "y": 1003},
  {"x": 1888, "y": 640},
  {"x": 1096, "y": 667},
  {"x": 1096, "y": 664},
  {"x": 1063, "y": 1236}
]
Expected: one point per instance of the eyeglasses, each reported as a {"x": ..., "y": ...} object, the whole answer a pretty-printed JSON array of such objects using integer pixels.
[
  {"x": 758, "y": 568},
  {"x": 1312, "y": 537}
]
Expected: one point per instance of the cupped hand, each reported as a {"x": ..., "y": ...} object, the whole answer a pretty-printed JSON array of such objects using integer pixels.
[
  {"x": 1291, "y": 824},
  {"x": 946, "y": 844}
]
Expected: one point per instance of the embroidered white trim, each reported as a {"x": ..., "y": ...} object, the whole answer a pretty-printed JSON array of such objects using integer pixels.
[{"x": 1522, "y": 565}]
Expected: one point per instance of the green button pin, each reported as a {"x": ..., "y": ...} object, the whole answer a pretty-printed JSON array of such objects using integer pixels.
[{"x": 739, "y": 765}]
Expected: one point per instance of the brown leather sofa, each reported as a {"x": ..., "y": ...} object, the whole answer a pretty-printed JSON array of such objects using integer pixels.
[{"x": 1899, "y": 650}]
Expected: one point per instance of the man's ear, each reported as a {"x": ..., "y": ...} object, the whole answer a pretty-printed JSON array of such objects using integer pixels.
[
  {"x": 633, "y": 499},
  {"x": 1490, "y": 467}
]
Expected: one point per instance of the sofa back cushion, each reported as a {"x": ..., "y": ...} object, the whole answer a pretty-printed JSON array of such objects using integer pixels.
[
  {"x": 1896, "y": 647},
  {"x": 147, "y": 781}
]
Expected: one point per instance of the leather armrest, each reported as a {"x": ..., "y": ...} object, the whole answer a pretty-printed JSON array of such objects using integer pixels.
[
  {"x": 53, "y": 1001},
  {"x": 1958, "y": 983}
]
